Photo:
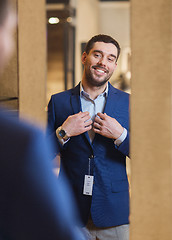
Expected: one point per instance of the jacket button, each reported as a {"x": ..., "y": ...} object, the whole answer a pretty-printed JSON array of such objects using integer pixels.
[{"x": 92, "y": 156}]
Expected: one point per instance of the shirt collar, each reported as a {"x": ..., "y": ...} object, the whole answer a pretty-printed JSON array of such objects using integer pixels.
[{"x": 83, "y": 93}]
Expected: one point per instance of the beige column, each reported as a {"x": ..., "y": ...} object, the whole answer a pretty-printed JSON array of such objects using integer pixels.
[
  {"x": 151, "y": 120},
  {"x": 32, "y": 59}
]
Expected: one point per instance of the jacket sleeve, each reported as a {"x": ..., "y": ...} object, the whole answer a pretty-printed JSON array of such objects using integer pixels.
[
  {"x": 51, "y": 128},
  {"x": 124, "y": 146}
]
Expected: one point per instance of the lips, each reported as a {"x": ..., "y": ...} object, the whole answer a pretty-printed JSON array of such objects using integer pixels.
[{"x": 99, "y": 69}]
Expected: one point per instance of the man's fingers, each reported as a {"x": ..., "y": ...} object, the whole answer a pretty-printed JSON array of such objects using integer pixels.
[
  {"x": 102, "y": 115},
  {"x": 98, "y": 120},
  {"x": 96, "y": 130},
  {"x": 87, "y": 128},
  {"x": 96, "y": 125},
  {"x": 83, "y": 114},
  {"x": 86, "y": 118},
  {"x": 88, "y": 123}
]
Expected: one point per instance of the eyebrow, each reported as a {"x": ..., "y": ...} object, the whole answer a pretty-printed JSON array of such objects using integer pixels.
[{"x": 112, "y": 55}]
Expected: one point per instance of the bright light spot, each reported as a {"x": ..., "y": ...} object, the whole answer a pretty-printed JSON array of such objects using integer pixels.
[
  {"x": 128, "y": 74},
  {"x": 69, "y": 19},
  {"x": 53, "y": 20}
]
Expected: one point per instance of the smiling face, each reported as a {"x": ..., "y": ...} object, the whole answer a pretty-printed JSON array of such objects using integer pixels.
[{"x": 99, "y": 63}]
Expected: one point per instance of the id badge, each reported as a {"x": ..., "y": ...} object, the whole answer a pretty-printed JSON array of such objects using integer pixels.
[{"x": 88, "y": 185}]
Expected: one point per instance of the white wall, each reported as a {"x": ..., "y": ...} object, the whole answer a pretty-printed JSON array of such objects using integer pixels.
[
  {"x": 114, "y": 20},
  {"x": 86, "y": 26}
]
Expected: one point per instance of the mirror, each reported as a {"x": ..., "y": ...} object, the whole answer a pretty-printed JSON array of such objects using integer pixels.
[{"x": 77, "y": 22}]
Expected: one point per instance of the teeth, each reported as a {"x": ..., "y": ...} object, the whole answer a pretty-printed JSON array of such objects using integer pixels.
[{"x": 101, "y": 71}]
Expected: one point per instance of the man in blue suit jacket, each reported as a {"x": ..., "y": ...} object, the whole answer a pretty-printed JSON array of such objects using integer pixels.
[
  {"x": 34, "y": 205},
  {"x": 90, "y": 124}
]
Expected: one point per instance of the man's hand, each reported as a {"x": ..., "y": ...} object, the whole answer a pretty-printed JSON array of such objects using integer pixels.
[
  {"x": 107, "y": 126},
  {"x": 77, "y": 124}
]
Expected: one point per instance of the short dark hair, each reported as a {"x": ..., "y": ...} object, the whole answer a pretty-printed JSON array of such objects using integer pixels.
[
  {"x": 102, "y": 38},
  {"x": 4, "y": 4}
]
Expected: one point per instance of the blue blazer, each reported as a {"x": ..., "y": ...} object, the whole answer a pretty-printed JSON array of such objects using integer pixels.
[
  {"x": 109, "y": 204},
  {"x": 33, "y": 205}
]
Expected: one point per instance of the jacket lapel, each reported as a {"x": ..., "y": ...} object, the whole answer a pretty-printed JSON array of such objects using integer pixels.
[
  {"x": 75, "y": 99},
  {"x": 76, "y": 105},
  {"x": 111, "y": 102}
]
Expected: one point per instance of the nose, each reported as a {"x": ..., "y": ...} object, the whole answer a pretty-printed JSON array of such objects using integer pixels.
[{"x": 102, "y": 62}]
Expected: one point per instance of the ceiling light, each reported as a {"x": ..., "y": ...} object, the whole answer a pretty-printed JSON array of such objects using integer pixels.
[
  {"x": 69, "y": 19},
  {"x": 53, "y": 20}
]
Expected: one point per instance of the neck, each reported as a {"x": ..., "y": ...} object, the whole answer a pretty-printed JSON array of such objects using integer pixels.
[{"x": 93, "y": 91}]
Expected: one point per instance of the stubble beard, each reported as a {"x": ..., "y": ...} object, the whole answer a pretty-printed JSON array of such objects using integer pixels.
[{"x": 92, "y": 81}]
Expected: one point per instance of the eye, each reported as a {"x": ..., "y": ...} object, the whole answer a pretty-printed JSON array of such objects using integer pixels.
[
  {"x": 97, "y": 55},
  {"x": 111, "y": 59}
]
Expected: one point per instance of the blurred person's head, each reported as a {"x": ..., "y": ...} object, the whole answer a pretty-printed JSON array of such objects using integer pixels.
[{"x": 7, "y": 27}]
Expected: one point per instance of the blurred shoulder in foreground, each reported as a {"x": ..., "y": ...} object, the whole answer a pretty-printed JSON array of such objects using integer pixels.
[{"x": 33, "y": 203}]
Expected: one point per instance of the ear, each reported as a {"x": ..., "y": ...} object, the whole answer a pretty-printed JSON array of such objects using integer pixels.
[
  {"x": 115, "y": 65},
  {"x": 83, "y": 58}
]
